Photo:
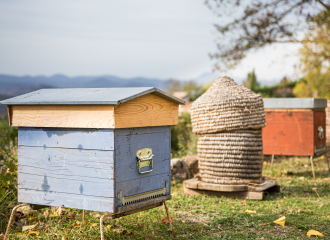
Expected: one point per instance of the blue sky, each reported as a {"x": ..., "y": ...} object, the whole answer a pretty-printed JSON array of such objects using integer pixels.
[{"x": 155, "y": 39}]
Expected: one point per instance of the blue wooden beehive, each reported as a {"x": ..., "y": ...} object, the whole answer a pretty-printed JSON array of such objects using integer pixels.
[{"x": 102, "y": 149}]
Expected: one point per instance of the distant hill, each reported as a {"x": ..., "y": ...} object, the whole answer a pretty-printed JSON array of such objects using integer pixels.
[
  {"x": 11, "y": 86},
  {"x": 10, "y": 83}
]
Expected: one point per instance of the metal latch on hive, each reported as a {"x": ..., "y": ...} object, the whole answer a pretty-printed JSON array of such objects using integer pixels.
[{"x": 144, "y": 159}]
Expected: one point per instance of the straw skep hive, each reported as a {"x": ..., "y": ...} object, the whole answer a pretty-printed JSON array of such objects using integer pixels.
[
  {"x": 227, "y": 106},
  {"x": 228, "y": 119},
  {"x": 233, "y": 157}
]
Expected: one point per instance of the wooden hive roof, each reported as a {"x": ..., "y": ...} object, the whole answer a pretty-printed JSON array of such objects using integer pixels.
[
  {"x": 94, "y": 108},
  {"x": 295, "y": 103},
  {"x": 86, "y": 96}
]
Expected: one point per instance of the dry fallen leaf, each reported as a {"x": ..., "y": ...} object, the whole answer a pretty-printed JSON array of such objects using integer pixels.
[
  {"x": 126, "y": 232},
  {"x": 250, "y": 211},
  {"x": 93, "y": 225},
  {"x": 63, "y": 238},
  {"x": 148, "y": 238},
  {"x": 165, "y": 220},
  {"x": 2, "y": 236},
  {"x": 33, "y": 233},
  {"x": 46, "y": 213},
  {"x": 118, "y": 230},
  {"x": 76, "y": 224},
  {"x": 280, "y": 221},
  {"x": 29, "y": 227},
  {"x": 108, "y": 227},
  {"x": 60, "y": 211},
  {"x": 26, "y": 210},
  {"x": 314, "y": 233}
]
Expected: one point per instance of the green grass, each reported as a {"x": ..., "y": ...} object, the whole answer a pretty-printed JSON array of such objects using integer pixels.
[{"x": 304, "y": 202}]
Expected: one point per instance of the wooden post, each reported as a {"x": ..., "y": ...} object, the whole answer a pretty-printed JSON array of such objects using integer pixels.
[
  {"x": 169, "y": 219},
  {"x": 311, "y": 157},
  {"x": 326, "y": 160},
  {"x": 101, "y": 224},
  {"x": 272, "y": 162},
  {"x": 83, "y": 218},
  {"x": 11, "y": 219}
]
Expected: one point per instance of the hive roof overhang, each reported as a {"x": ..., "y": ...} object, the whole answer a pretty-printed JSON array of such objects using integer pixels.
[
  {"x": 295, "y": 103},
  {"x": 86, "y": 96}
]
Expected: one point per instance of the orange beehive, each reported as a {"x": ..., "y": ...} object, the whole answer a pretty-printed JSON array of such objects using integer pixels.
[{"x": 294, "y": 127}]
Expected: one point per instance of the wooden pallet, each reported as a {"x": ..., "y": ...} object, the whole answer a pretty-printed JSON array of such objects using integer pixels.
[{"x": 255, "y": 192}]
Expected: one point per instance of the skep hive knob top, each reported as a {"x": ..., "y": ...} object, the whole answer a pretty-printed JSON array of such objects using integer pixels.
[{"x": 227, "y": 106}]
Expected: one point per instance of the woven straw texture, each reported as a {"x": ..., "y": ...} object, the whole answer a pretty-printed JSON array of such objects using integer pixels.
[
  {"x": 228, "y": 119},
  {"x": 327, "y": 133},
  {"x": 227, "y": 106},
  {"x": 231, "y": 157}
]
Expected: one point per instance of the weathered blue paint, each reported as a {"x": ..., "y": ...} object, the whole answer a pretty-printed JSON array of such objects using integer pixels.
[
  {"x": 71, "y": 185},
  {"x": 66, "y": 170},
  {"x": 127, "y": 142},
  {"x": 67, "y": 162},
  {"x": 86, "y": 168},
  {"x": 58, "y": 199},
  {"x": 101, "y": 139},
  {"x": 62, "y": 169}
]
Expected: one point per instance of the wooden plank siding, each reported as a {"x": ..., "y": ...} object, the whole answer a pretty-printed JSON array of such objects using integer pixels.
[
  {"x": 66, "y": 167},
  {"x": 92, "y": 203},
  {"x": 288, "y": 133},
  {"x": 56, "y": 165},
  {"x": 63, "y": 116},
  {"x": 145, "y": 111},
  {"x": 101, "y": 139},
  {"x": 67, "y": 162},
  {"x": 127, "y": 142},
  {"x": 10, "y": 114}
]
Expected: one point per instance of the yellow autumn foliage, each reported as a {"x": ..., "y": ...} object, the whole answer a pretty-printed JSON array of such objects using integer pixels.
[
  {"x": 315, "y": 63},
  {"x": 280, "y": 221},
  {"x": 314, "y": 233},
  {"x": 250, "y": 211}
]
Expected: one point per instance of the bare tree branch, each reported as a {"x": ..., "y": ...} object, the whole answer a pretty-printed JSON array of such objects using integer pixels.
[
  {"x": 262, "y": 23},
  {"x": 324, "y": 5}
]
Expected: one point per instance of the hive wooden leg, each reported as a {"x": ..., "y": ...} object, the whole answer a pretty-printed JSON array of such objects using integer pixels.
[
  {"x": 11, "y": 219},
  {"x": 169, "y": 219},
  {"x": 327, "y": 161},
  {"x": 272, "y": 162},
  {"x": 83, "y": 218},
  {"x": 311, "y": 157},
  {"x": 101, "y": 224}
]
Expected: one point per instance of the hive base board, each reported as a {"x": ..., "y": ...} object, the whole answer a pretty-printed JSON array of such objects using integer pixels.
[
  {"x": 140, "y": 206},
  {"x": 254, "y": 192}
]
